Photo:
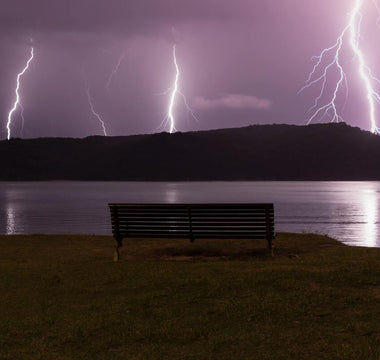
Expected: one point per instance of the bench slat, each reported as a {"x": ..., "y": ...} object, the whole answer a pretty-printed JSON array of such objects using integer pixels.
[
  {"x": 200, "y": 217},
  {"x": 204, "y": 222},
  {"x": 194, "y": 230}
]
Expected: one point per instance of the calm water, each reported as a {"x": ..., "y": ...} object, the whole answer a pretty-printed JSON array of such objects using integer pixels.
[{"x": 347, "y": 211}]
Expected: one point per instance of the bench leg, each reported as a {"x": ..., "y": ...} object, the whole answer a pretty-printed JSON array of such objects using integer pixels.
[
  {"x": 271, "y": 246},
  {"x": 116, "y": 255}
]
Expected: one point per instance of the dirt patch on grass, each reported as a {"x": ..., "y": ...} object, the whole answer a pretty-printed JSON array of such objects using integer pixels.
[
  {"x": 376, "y": 292},
  {"x": 192, "y": 258}
]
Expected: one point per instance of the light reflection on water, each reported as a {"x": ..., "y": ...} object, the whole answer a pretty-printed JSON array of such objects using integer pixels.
[
  {"x": 347, "y": 211},
  {"x": 11, "y": 220},
  {"x": 369, "y": 201}
]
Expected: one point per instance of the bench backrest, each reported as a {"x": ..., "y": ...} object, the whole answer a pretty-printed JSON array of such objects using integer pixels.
[{"x": 193, "y": 221}]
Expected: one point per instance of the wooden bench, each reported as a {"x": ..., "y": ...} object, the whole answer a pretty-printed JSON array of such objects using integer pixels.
[{"x": 192, "y": 221}]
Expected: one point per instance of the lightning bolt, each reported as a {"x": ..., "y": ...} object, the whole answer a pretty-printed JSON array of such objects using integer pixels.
[
  {"x": 90, "y": 103},
  {"x": 352, "y": 32},
  {"x": 115, "y": 70},
  {"x": 174, "y": 92},
  {"x": 17, "y": 102}
]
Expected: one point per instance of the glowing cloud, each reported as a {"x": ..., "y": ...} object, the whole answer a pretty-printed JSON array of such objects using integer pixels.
[{"x": 233, "y": 101}]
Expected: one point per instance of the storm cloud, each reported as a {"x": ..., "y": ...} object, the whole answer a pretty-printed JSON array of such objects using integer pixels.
[
  {"x": 241, "y": 62},
  {"x": 115, "y": 16}
]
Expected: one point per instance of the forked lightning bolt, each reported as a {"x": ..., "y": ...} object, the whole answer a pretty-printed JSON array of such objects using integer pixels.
[
  {"x": 115, "y": 70},
  {"x": 351, "y": 34},
  {"x": 17, "y": 102},
  {"x": 174, "y": 92},
  {"x": 94, "y": 112}
]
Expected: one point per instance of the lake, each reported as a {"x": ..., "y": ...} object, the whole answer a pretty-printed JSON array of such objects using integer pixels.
[{"x": 347, "y": 211}]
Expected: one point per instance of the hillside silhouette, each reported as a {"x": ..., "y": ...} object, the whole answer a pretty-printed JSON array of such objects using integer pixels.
[{"x": 258, "y": 152}]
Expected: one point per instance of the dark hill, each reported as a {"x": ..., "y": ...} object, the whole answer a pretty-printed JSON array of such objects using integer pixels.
[{"x": 260, "y": 152}]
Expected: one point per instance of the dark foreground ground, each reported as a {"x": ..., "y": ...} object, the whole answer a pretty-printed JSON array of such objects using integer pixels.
[{"x": 62, "y": 297}]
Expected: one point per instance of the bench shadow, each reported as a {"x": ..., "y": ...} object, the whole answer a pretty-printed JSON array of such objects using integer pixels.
[
  {"x": 209, "y": 254},
  {"x": 293, "y": 246}
]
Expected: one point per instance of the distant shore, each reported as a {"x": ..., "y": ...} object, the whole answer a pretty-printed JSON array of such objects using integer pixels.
[{"x": 323, "y": 152}]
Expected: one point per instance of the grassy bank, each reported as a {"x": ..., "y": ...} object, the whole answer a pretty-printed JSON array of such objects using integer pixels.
[{"x": 62, "y": 297}]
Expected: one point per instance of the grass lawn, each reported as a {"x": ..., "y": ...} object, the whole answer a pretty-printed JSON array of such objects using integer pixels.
[{"x": 62, "y": 297}]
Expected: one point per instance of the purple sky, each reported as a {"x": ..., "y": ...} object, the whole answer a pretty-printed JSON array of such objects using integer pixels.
[{"x": 242, "y": 62}]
